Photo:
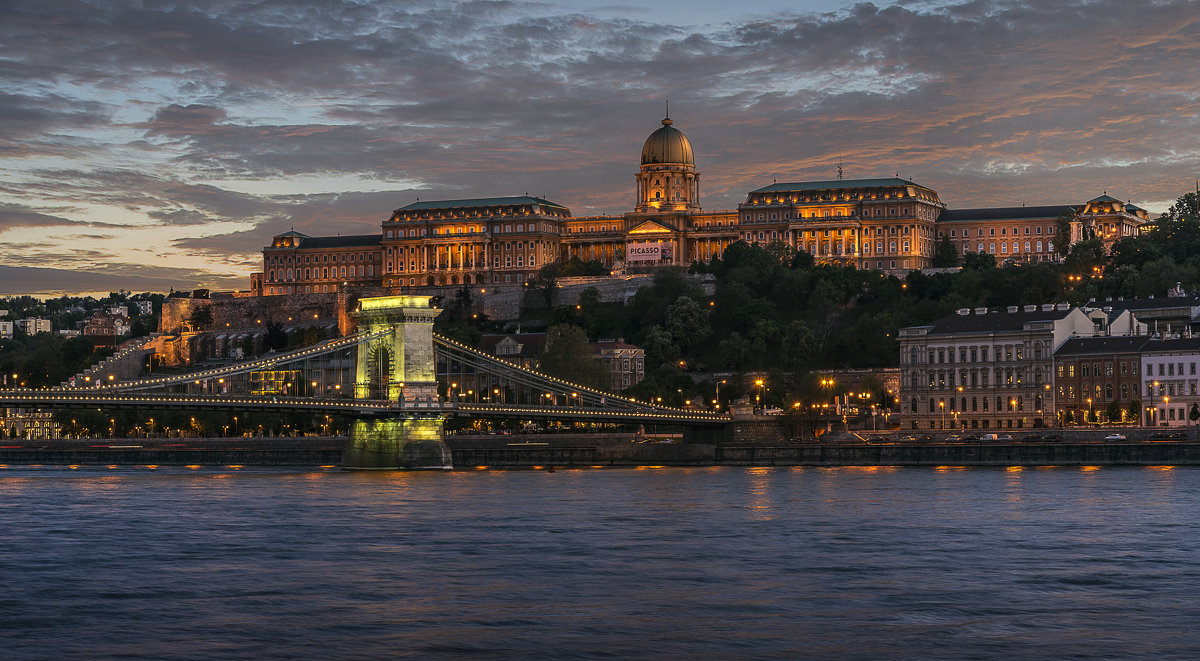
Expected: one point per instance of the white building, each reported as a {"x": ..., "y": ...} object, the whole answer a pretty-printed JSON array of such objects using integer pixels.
[
  {"x": 1170, "y": 381},
  {"x": 33, "y": 326}
]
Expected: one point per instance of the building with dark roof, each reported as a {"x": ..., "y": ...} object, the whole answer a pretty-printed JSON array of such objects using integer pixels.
[
  {"x": 890, "y": 223},
  {"x": 1096, "y": 379},
  {"x": 981, "y": 369}
]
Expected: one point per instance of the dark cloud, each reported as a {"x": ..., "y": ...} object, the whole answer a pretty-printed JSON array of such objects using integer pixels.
[
  {"x": 13, "y": 215},
  {"x": 22, "y": 280}
]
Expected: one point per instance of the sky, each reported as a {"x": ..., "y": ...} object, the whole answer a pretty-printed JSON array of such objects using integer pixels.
[{"x": 150, "y": 145}]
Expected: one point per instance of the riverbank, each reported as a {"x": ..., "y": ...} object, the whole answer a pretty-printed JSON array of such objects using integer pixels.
[{"x": 1077, "y": 447}]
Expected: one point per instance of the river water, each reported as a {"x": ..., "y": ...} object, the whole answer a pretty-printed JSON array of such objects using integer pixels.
[{"x": 720, "y": 563}]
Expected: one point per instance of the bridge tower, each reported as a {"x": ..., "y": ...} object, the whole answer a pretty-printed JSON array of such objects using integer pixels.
[{"x": 399, "y": 367}]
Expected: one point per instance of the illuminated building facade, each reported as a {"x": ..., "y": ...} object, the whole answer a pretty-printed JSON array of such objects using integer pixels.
[{"x": 891, "y": 224}]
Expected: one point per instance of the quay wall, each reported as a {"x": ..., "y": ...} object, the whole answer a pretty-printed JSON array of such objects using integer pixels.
[{"x": 583, "y": 450}]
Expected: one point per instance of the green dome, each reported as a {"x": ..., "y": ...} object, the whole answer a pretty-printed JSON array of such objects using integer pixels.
[{"x": 667, "y": 145}]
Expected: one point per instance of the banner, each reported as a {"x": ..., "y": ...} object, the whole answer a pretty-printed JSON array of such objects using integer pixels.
[{"x": 647, "y": 252}]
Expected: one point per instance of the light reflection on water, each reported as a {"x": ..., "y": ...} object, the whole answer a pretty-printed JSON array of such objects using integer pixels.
[{"x": 217, "y": 563}]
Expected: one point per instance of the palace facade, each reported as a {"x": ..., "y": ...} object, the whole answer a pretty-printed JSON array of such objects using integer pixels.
[{"x": 891, "y": 224}]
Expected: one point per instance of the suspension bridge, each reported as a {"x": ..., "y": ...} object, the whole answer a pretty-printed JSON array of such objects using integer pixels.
[{"x": 385, "y": 377}]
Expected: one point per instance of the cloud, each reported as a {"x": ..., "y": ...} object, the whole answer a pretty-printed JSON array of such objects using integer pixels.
[
  {"x": 34, "y": 281},
  {"x": 149, "y": 114}
]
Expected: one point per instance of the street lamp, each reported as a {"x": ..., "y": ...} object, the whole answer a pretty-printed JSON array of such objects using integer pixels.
[
  {"x": 758, "y": 383},
  {"x": 942, "y": 406}
]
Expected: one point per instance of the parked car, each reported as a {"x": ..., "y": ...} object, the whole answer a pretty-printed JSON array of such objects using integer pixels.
[
  {"x": 1032, "y": 437},
  {"x": 1052, "y": 437},
  {"x": 1115, "y": 437}
]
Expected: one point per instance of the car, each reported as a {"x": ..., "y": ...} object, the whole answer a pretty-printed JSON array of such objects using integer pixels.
[
  {"x": 1033, "y": 437},
  {"x": 953, "y": 437},
  {"x": 972, "y": 437},
  {"x": 1115, "y": 437},
  {"x": 1052, "y": 437}
]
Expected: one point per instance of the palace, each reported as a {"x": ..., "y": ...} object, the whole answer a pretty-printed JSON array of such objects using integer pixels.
[{"x": 891, "y": 224}]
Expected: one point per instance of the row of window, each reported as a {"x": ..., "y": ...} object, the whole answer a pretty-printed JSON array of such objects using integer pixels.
[
  {"x": 1160, "y": 389},
  {"x": 749, "y": 218},
  {"x": 1016, "y": 247},
  {"x": 323, "y": 259},
  {"x": 975, "y": 378},
  {"x": 954, "y": 405},
  {"x": 1003, "y": 231},
  {"x": 974, "y": 354},
  {"x": 1093, "y": 369},
  {"x": 321, "y": 273}
]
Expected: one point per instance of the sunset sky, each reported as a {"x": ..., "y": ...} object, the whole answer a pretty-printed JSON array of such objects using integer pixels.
[{"x": 150, "y": 145}]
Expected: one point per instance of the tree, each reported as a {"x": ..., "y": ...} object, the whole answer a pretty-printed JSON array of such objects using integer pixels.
[
  {"x": 1194, "y": 414},
  {"x": 201, "y": 317},
  {"x": 1085, "y": 255},
  {"x": 946, "y": 255},
  {"x": 979, "y": 261},
  {"x": 687, "y": 323},
  {"x": 568, "y": 356},
  {"x": 1062, "y": 232},
  {"x": 1113, "y": 412}
]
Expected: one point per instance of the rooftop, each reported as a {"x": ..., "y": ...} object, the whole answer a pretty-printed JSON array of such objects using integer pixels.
[
  {"x": 1003, "y": 213},
  {"x": 993, "y": 321},
  {"x": 836, "y": 184},
  {"x": 1098, "y": 345},
  {"x": 519, "y": 200}
]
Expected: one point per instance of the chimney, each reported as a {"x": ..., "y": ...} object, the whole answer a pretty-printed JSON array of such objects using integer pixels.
[
  {"x": 1030, "y": 308},
  {"x": 1047, "y": 307},
  {"x": 1063, "y": 306},
  {"x": 980, "y": 310},
  {"x": 1012, "y": 309},
  {"x": 962, "y": 312}
]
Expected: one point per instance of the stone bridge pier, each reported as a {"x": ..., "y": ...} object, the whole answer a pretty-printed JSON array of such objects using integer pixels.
[{"x": 400, "y": 367}]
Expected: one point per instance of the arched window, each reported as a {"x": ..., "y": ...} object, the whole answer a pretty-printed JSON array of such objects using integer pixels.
[
  {"x": 974, "y": 404},
  {"x": 992, "y": 248},
  {"x": 913, "y": 404}
]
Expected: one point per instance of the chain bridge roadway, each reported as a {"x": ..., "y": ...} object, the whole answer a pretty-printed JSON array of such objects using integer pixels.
[{"x": 115, "y": 399}]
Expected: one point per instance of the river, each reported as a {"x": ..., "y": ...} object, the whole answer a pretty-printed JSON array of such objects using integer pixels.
[{"x": 714, "y": 563}]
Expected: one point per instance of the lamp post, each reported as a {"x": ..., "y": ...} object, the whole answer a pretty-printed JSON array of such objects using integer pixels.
[
  {"x": 942, "y": 406},
  {"x": 758, "y": 383}
]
